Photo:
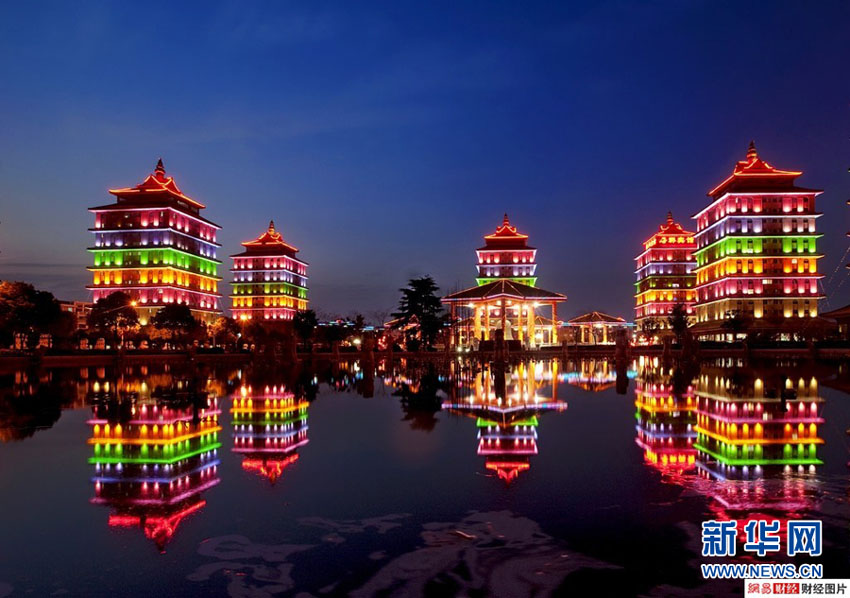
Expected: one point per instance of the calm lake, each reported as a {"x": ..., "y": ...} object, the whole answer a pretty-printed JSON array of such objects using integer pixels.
[{"x": 411, "y": 479}]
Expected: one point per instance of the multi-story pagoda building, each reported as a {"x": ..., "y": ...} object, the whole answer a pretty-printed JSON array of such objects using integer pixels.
[
  {"x": 506, "y": 255},
  {"x": 154, "y": 459},
  {"x": 268, "y": 428},
  {"x": 154, "y": 245},
  {"x": 665, "y": 274},
  {"x": 506, "y": 297},
  {"x": 756, "y": 252},
  {"x": 269, "y": 282}
]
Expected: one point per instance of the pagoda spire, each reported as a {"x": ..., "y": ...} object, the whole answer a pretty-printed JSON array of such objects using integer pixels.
[
  {"x": 670, "y": 217},
  {"x": 506, "y": 221},
  {"x": 271, "y": 226},
  {"x": 752, "y": 153},
  {"x": 159, "y": 171}
]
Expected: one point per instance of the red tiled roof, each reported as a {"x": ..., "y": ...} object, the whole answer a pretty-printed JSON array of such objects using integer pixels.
[
  {"x": 156, "y": 184},
  {"x": 270, "y": 241},
  {"x": 754, "y": 174}
]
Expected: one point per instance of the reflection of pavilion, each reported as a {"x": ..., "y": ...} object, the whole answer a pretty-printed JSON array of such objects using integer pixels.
[
  {"x": 268, "y": 428},
  {"x": 665, "y": 421},
  {"x": 506, "y": 407},
  {"x": 506, "y": 296},
  {"x": 593, "y": 375},
  {"x": 153, "y": 460}
]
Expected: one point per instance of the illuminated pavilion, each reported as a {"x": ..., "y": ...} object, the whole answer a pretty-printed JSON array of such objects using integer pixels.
[
  {"x": 757, "y": 251},
  {"x": 154, "y": 245},
  {"x": 269, "y": 282},
  {"x": 506, "y": 297},
  {"x": 596, "y": 328}
]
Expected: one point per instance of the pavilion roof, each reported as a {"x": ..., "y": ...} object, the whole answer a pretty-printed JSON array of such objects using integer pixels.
[
  {"x": 841, "y": 312},
  {"x": 504, "y": 288},
  {"x": 597, "y": 317},
  {"x": 156, "y": 185},
  {"x": 269, "y": 242},
  {"x": 754, "y": 174}
]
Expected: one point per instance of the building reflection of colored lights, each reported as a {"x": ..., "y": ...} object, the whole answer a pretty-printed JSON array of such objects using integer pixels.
[
  {"x": 153, "y": 460},
  {"x": 665, "y": 420},
  {"x": 268, "y": 428},
  {"x": 506, "y": 405},
  {"x": 746, "y": 424}
]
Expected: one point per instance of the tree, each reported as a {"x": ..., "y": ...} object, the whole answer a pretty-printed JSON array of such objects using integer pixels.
[
  {"x": 334, "y": 334},
  {"x": 650, "y": 327},
  {"x": 679, "y": 320},
  {"x": 114, "y": 313},
  {"x": 225, "y": 330},
  {"x": 24, "y": 309},
  {"x": 420, "y": 305},
  {"x": 736, "y": 322},
  {"x": 305, "y": 323},
  {"x": 176, "y": 318}
]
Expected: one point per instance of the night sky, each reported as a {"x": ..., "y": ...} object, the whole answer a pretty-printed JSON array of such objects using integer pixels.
[{"x": 386, "y": 140}]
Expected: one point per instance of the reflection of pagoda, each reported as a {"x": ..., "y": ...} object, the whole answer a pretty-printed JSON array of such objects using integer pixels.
[
  {"x": 665, "y": 421},
  {"x": 153, "y": 459},
  {"x": 268, "y": 428},
  {"x": 746, "y": 423},
  {"x": 506, "y": 406}
]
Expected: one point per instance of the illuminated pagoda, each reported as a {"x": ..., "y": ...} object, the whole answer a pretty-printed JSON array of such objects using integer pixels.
[
  {"x": 665, "y": 274},
  {"x": 757, "y": 250},
  {"x": 269, "y": 282},
  {"x": 665, "y": 420},
  {"x": 747, "y": 424},
  {"x": 153, "y": 460},
  {"x": 154, "y": 245},
  {"x": 268, "y": 429},
  {"x": 506, "y": 297},
  {"x": 506, "y": 410},
  {"x": 506, "y": 255}
]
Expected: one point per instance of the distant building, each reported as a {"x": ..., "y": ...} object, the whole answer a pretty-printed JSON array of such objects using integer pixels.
[
  {"x": 80, "y": 310},
  {"x": 665, "y": 274},
  {"x": 757, "y": 257},
  {"x": 269, "y": 282},
  {"x": 594, "y": 328},
  {"x": 506, "y": 297},
  {"x": 154, "y": 245}
]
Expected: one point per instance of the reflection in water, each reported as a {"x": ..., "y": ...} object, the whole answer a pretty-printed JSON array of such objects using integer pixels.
[
  {"x": 153, "y": 455},
  {"x": 745, "y": 438},
  {"x": 268, "y": 428},
  {"x": 506, "y": 403},
  {"x": 758, "y": 437},
  {"x": 666, "y": 416}
]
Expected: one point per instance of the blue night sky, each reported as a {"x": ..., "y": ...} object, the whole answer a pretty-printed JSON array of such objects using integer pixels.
[{"x": 386, "y": 140}]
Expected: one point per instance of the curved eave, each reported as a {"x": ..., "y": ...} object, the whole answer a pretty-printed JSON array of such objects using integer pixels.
[{"x": 132, "y": 192}]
